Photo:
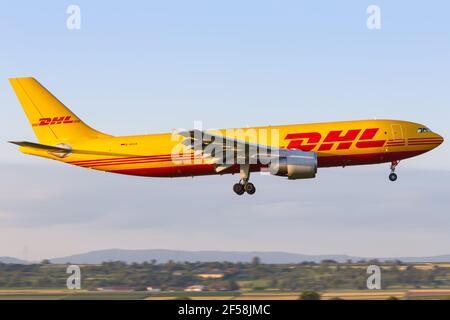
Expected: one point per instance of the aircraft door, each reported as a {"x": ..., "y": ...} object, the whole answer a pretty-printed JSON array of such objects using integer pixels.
[
  {"x": 397, "y": 132},
  {"x": 396, "y": 138}
]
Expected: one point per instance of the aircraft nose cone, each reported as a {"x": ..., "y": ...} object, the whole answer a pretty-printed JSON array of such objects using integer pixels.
[{"x": 439, "y": 139}]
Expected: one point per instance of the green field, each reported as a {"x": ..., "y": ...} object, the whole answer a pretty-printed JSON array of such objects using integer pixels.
[{"x": 226, "y": 280}]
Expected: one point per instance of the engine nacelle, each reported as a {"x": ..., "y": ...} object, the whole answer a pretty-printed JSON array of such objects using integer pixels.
[{"x": 295, "y": 164}]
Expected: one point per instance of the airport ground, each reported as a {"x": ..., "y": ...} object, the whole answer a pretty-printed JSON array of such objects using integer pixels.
[{"x": 52, "y": 294}]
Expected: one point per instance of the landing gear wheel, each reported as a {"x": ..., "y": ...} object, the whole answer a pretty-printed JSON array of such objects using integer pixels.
[
  {"x": 239, "y": 189},
  {"x": 393, "y": 175},
  {"x": 250, "y": 188}
]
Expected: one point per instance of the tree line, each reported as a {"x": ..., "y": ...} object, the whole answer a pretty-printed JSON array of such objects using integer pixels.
[{"x": 226, "y": 276}]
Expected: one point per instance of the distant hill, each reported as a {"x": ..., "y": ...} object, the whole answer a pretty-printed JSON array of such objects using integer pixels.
[
  {"x": 11, "y": 260},
  {"x": 441, "y": 258},
  {"x": 161, "y": 255}
]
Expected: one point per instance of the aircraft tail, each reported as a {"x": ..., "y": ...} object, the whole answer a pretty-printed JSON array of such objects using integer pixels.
[{"x": 51, "y": 120}]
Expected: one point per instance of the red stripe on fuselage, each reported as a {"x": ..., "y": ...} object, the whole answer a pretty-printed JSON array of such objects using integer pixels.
[
  {"x": 323, "y": 161},
  {"x": 119, "y": 158},
  {"x": 127, "y": 159},
  {"x": 423, "y": 143},
  {"x": 366, "y": 158},
  {"x": 136, "y": 161}
]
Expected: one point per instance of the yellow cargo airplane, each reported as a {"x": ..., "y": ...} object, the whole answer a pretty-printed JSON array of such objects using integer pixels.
[{"x": 292, "y": 151}]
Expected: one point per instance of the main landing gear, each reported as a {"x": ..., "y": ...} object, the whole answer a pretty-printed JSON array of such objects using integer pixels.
[
  {"x": 243, "y": 185},
  {"x": 393, "y": 175}
]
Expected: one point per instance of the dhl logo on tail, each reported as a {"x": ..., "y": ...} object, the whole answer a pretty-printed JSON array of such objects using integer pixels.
[{"x": 55, "y": 120}]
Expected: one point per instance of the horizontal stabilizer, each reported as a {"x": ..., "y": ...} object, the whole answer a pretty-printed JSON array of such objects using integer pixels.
[
  {"x": 40, "y": 146},
  {"x": 67, "y": 150}
]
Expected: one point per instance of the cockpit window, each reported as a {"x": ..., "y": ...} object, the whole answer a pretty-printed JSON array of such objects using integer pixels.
[{"x": 422, "y": 130}]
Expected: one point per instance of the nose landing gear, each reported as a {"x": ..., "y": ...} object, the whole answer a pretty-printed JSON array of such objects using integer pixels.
[{"x": 393, "y": 175}]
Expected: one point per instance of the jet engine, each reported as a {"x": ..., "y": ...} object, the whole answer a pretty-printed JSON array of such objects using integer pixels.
[{"x": 294, "y": 164}]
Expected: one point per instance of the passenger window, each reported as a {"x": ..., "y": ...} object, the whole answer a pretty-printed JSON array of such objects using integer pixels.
[{"x": 420, "y": 130}]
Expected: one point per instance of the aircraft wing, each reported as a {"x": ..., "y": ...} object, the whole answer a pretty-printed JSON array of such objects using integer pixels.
[{"x": 225, "y": 152}]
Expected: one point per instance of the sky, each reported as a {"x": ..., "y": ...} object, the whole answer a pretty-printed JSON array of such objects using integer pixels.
[{"x": 140, "y": 67}]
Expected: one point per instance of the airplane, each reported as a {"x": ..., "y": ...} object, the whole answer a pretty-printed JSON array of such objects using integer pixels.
[{"x": 292, "y": 151}]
